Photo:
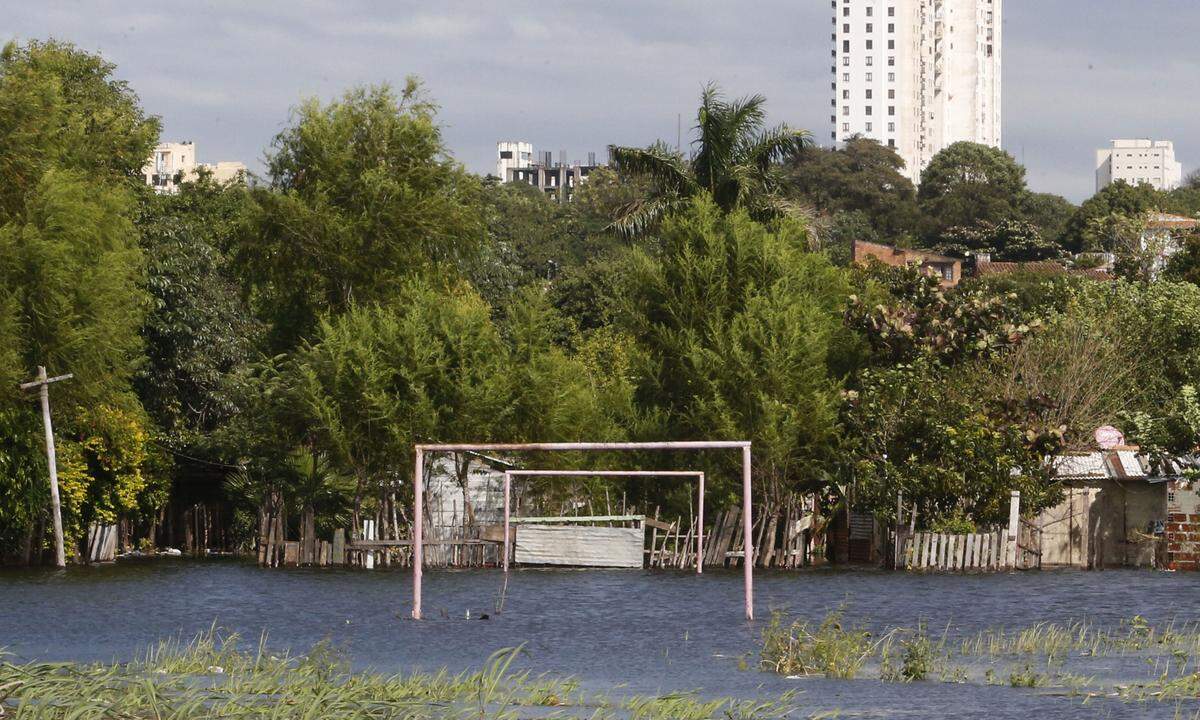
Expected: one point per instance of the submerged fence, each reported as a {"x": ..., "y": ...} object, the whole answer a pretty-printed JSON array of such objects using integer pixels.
[{"x": 1016, "y": 547}]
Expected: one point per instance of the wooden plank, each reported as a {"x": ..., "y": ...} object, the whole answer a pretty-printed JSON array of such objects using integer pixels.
[
  {"x": 291, "y": 552},
  {"x": 656, "y": 524},
  {"x": 339, "y": 547},
  {"x": 581, "y": 546}
]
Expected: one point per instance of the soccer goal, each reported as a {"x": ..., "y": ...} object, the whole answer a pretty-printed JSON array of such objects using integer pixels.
[
  {"x": 690, "y": 445},
  {"x": 693, "y": 474}
]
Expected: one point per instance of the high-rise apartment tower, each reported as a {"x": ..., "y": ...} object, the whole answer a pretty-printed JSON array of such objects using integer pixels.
[{"x": 916, "y": 75}]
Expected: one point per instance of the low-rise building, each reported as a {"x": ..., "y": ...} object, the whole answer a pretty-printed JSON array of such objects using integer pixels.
[
  {"x": 173, "y": 163},
  {"x": 1139, "y": 161},
  {"x": 947, "y": 269}
]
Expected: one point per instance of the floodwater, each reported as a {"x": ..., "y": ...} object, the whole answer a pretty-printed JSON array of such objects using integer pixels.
[{"x": 619, "y": 632}]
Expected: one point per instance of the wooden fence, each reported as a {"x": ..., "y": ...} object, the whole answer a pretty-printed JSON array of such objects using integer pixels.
[
  {"x": 953, "y": 552},
  {"x": 1016, "y": 547}
]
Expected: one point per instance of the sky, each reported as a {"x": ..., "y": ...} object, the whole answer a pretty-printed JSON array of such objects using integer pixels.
[{"x": 578, "y": 76}]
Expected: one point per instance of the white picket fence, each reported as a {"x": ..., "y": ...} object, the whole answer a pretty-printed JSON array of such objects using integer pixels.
[
  {"x": 1017, "y": 546},
  {"x": 950, "y": 552}
]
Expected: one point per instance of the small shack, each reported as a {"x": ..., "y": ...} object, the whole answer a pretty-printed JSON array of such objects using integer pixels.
[{"x": 1117, "y": 511}]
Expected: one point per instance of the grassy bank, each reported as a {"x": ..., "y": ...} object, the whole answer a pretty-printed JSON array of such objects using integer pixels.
[{"x": 216, "y": 676}]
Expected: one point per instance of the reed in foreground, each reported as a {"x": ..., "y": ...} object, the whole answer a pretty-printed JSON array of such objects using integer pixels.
[{"x": 211, "y": 676}]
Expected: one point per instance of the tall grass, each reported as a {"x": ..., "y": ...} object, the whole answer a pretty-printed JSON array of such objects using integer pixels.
[
  {"x": 213, "y": 676},
  {"x": 1033, "y": 657}
]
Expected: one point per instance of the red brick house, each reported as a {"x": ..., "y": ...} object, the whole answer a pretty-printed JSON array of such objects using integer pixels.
[{"x": 947, "y": 269}]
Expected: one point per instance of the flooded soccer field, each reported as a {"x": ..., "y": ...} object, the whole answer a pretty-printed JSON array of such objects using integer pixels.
[{"x": 626, "y": 633}]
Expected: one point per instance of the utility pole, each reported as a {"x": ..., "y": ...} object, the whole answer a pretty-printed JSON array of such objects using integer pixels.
[{"x": 42, "y": 383}]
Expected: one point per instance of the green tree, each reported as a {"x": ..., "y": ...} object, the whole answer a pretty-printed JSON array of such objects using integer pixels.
[
  {"x": 199, "y": 329},
  {"x": 61, "y": 108},
  {"x": 921, "y": 431},
  {"x": 735, "y": 161},
  {"x": 968, "y": 183},
  {"x": 1185, "y": 264},
  {"x": 1006, "y": 241},
  {"x": 863, "y": 178},
  {"x": 1049, "y": 213},
  {"x": 72, "y": 142},
  {"x": 741, "y": 329},
  {"x": 362, "y": 194},
  {"x": 1118, "y": 198}
]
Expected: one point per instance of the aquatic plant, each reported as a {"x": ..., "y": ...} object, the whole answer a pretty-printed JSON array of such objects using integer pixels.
[
  {"x": 828, "y": 649},
  {"x": 211, "y": 676}
]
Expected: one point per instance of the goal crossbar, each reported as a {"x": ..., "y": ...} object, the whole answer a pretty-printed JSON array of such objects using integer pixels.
[{"x": 419, "y": 492}]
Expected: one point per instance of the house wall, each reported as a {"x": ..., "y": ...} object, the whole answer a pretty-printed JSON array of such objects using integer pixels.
[{"x": 1182, "y": 528}]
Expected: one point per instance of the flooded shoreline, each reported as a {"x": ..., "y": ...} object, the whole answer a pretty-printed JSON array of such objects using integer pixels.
[{"x": 622, "y": 632}]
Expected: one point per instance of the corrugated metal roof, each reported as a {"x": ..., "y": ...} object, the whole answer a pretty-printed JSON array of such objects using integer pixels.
[
  {"x": 1125, "y": 465},
  {"x": 1080, "y": 466}
]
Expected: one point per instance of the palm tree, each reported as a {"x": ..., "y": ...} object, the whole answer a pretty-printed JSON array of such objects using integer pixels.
[{"x": 734, "y": 159}]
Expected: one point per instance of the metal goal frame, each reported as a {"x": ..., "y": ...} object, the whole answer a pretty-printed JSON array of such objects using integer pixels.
[{"x": 420, "y": 450}]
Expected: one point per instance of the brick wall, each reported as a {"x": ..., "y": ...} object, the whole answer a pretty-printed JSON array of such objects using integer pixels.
[{"x": 1182, "y": 528}]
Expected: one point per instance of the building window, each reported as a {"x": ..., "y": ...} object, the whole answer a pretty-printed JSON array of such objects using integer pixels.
[
  {"x": 845, "y": 12},
  {"x": 870, "y": 27},
  {"x": 846, "y": 28},
  {"x": 846, "y": 61},
  {"x": 870, "y": 61},
  {"x": 868, "y": 93},
  {"x": 845, "y": 94},
  {"x": 891, "y": 27},
  {"x": 891, "y": 127},
  {"x": 845, "y": 77},
  {"x": 868, "y": 127},
  {"x": 870, "y": 77},
  {"x": 870, "y": 45},
  {"x": 891, "y": 77},
  {"x": 891, "y": 143},
  {"x": 845, "y": 109},
  {"x": 891, "y": 94},
  {"x": 845, "y": 46},
  {"x": 891, "y": 61},
  {"x": 845, "y": 127},
  {"x": 891, "y": 109},
  {"x": 506, "y": 154},
  {"x": 891, "y": 12},
  {"x": 870, "y": 12},
  {"x": 869, "y": 109},
  {"x": 891, "y": 44}
]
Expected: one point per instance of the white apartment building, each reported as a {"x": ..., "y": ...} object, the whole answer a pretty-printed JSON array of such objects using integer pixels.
[
  {"x": 510, "y": 155},
  {"x": 916, "y": 75},
  {"x": 173, "y": 163},
  {"x": 1137, "y": 162}
]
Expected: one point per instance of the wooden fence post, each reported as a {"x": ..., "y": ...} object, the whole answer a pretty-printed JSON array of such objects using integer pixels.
[{"x": 1014, "y": 528}]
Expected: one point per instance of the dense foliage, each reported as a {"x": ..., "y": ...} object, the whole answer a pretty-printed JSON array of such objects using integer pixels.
[{"x": 278, "y": 348}]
